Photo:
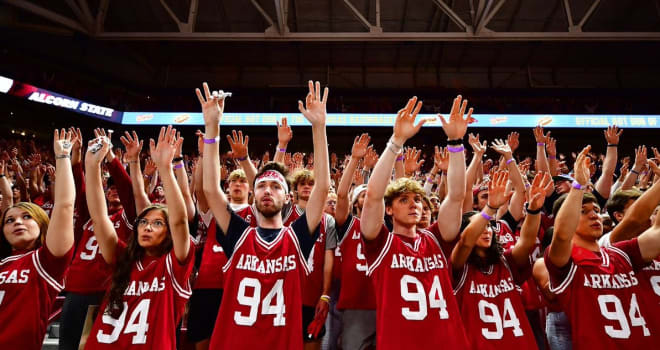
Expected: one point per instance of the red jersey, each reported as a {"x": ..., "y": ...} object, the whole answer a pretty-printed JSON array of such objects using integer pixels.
[
  {"x": 313, "y": 284},
  {"x": 209, "y": 275},
  {"x": 29, "y": 284},
  {"x": 247, "y": 214},
  {"x": 292, "y": 214},
  {"x": 415, "y": 306},
  {"x": 262, "y": 302},
  {"x": 154, "y": 302},
  {"x": 359, "y": 291},
  {"x": 602, "y": 290},
  {"x": 89, "y": 273},
  {"x": 491, "y": 306},
  {"x": 649, "y": 278}
]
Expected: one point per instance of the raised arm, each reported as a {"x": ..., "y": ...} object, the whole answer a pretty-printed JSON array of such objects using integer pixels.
[
  {"x": 606, "y": 179},
  {"x": 373, "y": 209},
  {"x": 359, "y": 150},
  {"x": 104, "y": 230},
  {"x": 553, "y": 162},
  {"x": 517, "y": 201},
  {"x": 541, "y": 158},
  {"x": 284, "y": 136},
  {"x": 162, "y": 153},
  {"x": 636, "y": 219},
  {"x": 59, "y": 238},
  {"x": 202, "y": 203},
  {"x": 569, "y": 214},
  {"x": 451, "y": 208},
  {"x": 530, "y": 227},
  {"x": 633, "y": 174},
  {"x": 314, "y": 111},
  {"x": 471, "y": 175},
  {"x": 496, "y": 197},
  {"x": 133, "y": 147},
  {"x": 182, "y": 178},
  {"x": 649, "y": 240},
  {"x": 212, "y": 108},
  {"x": 239, "y": 150}
]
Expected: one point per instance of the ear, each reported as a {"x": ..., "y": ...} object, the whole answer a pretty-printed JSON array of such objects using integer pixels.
[
  {"x": 618, "y": 215},
  {"x": 388, "y": 210}
]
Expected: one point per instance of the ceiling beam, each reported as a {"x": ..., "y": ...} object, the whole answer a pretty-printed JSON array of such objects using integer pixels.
[
  {"x": 587, "y": 15},
  {"x": 281, "y": 11},
  {"x": 263, "y": 13},
  {"x": 100, "y": 16},
  {"x": 86, "y": 12},
  {"x": 452, "y": 15},
  {"x": 78, "y": 13},
  {"x": 47, "y": 14},
  {"x": 365, "y": 23},
  {"x": 489, "y": 16},
  {"x": 385, "y": 36},
  {"x": 184, "y": 27}
]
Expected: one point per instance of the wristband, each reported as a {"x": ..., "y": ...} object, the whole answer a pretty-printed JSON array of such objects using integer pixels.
[
  {"x": 552, "y": 157},
  {"x": 455, "y": 149},
  {"x": 63, "y": 156},
  {"x": 576, "y": 185},
  {"x": 455, "y": 142},
  {"x": 325, "y": 298},
  {"x": 393, "y": 147},
  {"x": 283, "y": 150},
  {"x": 177, "y": 159},
  {"x": 540, "y": 143},
  {"x": 178, "y": 166},
  {"x": 486, "y": 216},
  {"x": 241, "y": 159},
  {"x": 634, "y": 172},
  {"x": 531, "y": 212},
  {"x": 212, "y": 141},
  {"x": 509, "y": 161},
  {"x": 612, "y": 144},
  {"x": 2, "y": 175},
  {"x": 400, "y": 158}
]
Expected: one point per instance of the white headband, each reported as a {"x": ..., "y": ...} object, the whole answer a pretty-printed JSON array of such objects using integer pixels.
[
  {"x": 272, "y": 175},
  {"x": 356, "y": 192}
]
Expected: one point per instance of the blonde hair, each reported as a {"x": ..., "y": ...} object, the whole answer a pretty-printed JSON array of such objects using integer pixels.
[
  {"x": 399, "y": 187},
  {"x": 37, "y": 214},
  {"x": 237, "y": 174},
  {"x": 300, "y": 176}
]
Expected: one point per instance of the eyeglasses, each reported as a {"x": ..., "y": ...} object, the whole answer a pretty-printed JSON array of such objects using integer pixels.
[{"x": 157, "y": 224}]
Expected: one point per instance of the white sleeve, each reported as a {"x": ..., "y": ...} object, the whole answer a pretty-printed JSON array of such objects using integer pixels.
[{"x": 604, "y": 240}]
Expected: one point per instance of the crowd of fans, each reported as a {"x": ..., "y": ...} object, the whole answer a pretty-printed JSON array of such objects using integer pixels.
[{"x": 317, "y": 249}]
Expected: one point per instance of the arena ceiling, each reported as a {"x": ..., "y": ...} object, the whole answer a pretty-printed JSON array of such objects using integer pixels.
[{"x": 348, "y": 43}]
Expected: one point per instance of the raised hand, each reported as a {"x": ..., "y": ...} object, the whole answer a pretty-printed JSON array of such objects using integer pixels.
[
  {"x": 238, "y": 144},
  {"x": 179, "y": 142},
  {"x": 612, "y": 134},
  {"x": 164, "y": 151},
  {"x": 63, "y": 142},
  {"x": 360, "y": 146},
  {"x": 497, "y": 195},
  {"x": 581, "y": 168},
  {"x": 404, "y": 124},
  {"x": 97, "y": 157},
  {"x": 412, "y": 163},
  {"x": 213, "y": 105},
  {"x": 551, "y": 147},
  {"x": 76, "y": 150},
  {"x": 284, "y": 133},
  {"x": 456, "y": 127},
  {"x": 314, "y": 108},
  {"x": 539, "y": 136},
  {"x": 513, "y": 140},
  {"x": 200, "y": 142},
  {"x": 371, "y": 158},
  {"x": 441, "y": 159},
  {"x": 640, "y": 157},
  {"x": 149, "y": 167},
  {"x": 502, "y": 148},
  {"x": 477, "y": 147},
  {"x": 133, "y": 146},
  {"x": 266, "y": 158},
  {"x": 537, "y": 191},
  {"x": 358, "y": 178}
]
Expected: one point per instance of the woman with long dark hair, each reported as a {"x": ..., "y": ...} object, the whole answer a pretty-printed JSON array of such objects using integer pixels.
[
  {"x": 35, "y": 253},
  {"x": 488, "y": 279},
  {"x": 149, "y": 286}
]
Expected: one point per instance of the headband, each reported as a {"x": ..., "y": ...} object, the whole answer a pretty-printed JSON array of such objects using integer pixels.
[{"x": 272, "y": 175}]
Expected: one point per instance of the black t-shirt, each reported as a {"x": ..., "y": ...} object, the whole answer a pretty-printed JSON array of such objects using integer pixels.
[{"x": 237, "y": 225}]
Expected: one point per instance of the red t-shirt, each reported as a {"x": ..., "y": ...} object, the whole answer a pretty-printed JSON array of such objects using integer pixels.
[
  {"x": 89, "y": 273},
  {"x": 29, "y": 283},
  {"x": 154, "y": 302},
  {"x": 357, "y": 291},
  {"x": 602, "y": 291},
  {"x": 491, "y": 306},
  {"x": 415, "y": 306},
  {"x": 209, "y": 275}
]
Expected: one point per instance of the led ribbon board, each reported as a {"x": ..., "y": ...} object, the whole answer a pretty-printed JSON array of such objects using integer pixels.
[
  {"x": 35, "y": 94},
  {"x": 387, "y": 120}
]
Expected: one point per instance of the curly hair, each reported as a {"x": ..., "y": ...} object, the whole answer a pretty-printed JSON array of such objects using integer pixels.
[
  {"x": 301, "y": 176},
  {"x": 121, "y": 273},
  {"x": 37, "y": 214}
]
